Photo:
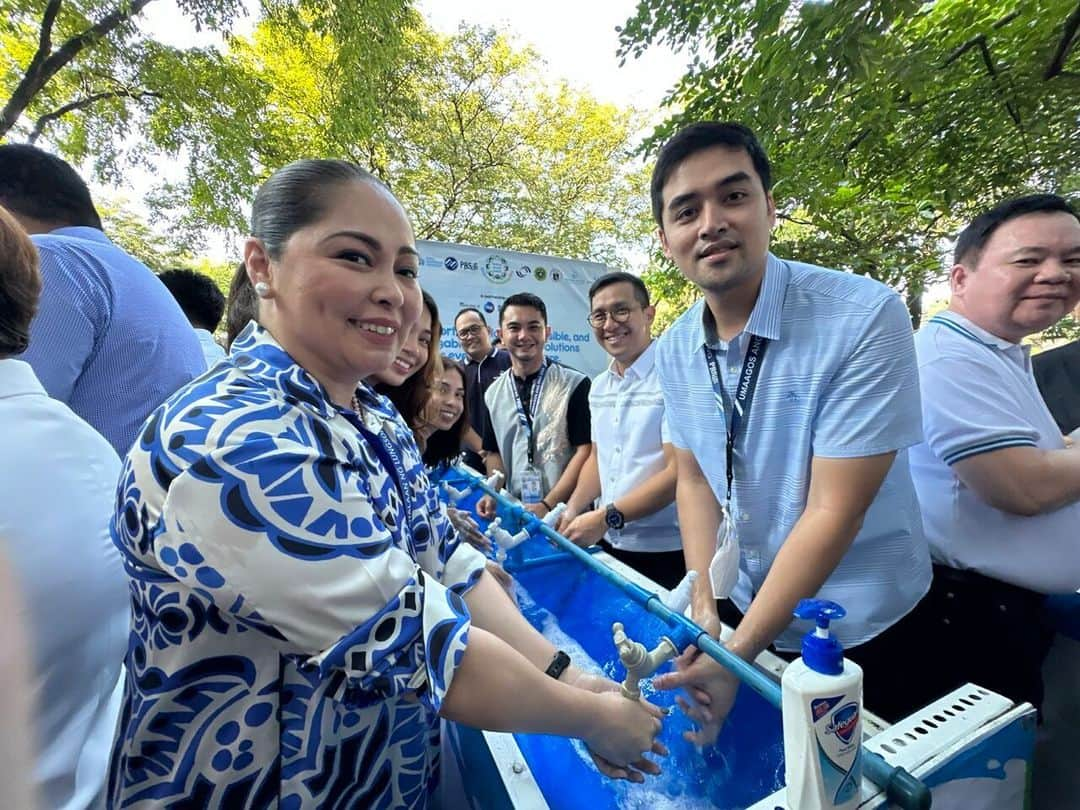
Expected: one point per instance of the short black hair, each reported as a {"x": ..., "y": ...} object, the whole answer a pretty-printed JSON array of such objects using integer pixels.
[
  {"x": 197, "y": 294},
  {"x": 696, "y": 138},
  {"x": 463, "y": 310},
  {"x": 641, "y": 292},
  {"x": 42, "y": 186},
  {"x": 20, "y": 286},
  {"x": 972, "y": 240},
  {"x": 523, "y": 299}
]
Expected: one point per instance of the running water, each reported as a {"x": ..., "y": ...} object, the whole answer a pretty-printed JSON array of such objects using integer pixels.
[{"x": 746, "y": 763}]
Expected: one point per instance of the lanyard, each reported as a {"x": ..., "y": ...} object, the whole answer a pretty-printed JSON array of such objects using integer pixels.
[
  {"x": 744, "y": 395},
  {"x": 526, "y": 419},
  {"x": 390, "y": 459}
]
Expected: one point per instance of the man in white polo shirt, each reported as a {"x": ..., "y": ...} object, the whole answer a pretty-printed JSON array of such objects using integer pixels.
[
  {"x": 999, "y": 489},
  {"x": 631, "y": 466}
]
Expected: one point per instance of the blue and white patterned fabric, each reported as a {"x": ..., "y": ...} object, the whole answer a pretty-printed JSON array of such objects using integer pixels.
[
  {"x": 838, "y": 380},
  {"x": 296, "y": 622}
]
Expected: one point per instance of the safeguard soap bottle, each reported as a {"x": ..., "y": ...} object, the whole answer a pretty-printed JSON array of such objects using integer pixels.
[{"x": 822, "y": 710}]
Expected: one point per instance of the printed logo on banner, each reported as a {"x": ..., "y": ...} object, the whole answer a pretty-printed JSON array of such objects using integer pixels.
[
  {"x": 572, "y": 274},
  {"x": 489, "y": 307},
  {"x": 539, "y": 273},
  {"x": 556, "y": 275},
  {"x": 431, "y": 261},
  {"x": 497, "y": 270},
  {"x": 450, "y": 263},
  {"x": 524, "y": 271}
]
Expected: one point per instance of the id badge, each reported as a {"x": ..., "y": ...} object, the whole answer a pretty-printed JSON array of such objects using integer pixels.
[
  {"x": 724, "y": 568},
  {"x": 531, "y": 485}
]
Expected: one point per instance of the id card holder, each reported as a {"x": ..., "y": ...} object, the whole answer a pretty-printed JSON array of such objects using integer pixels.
[
  {"x": 724, "y": 568},
  {"x": 531, "y": 485}
]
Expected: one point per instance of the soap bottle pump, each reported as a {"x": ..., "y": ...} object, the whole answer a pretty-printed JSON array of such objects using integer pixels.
[{"x": 822, "y": 710}]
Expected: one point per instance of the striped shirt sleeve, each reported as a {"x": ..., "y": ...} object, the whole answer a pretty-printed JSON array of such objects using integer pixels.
[{"x": 967, "y": 412}]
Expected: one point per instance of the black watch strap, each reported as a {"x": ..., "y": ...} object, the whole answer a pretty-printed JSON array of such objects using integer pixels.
[{"x": 558, "y": 665}]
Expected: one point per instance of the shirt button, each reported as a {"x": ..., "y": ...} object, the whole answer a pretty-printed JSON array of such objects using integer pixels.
[
  {"x": 733, "y": 369},
  {"x": 744, "y": 516}
]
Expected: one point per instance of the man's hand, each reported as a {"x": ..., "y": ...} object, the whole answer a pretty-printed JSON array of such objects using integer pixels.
[
  {"x": 485, "y": 507},
  {"x": 587, "y": 529},
  {"x": 712, "y": 688},
  {"x": 537, "y": 509}
]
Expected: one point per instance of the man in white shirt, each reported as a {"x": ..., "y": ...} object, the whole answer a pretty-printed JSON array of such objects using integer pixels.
[
  {"x": 58, "y": 477},
  {"x": 999, "y": 488},
  {"x": 631, "y": 465}
]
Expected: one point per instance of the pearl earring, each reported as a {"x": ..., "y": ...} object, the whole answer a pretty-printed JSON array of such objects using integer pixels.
[{"x": 262, "y": 289}]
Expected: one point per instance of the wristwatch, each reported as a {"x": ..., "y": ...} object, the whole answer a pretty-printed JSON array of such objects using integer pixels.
[{"x": 613, "y": 517}]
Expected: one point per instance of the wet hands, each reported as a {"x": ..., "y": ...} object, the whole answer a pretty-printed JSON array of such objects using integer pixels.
[
  {"x": 468, "y": 529},
  {"x": 625, "y": 731},
  {"x": 485, "y": 507},
  {"x": 711, "y": 687},
  {"x": 585, "y": 529}
]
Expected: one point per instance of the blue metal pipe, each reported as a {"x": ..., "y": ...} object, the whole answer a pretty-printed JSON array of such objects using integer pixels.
[{"x": 900, "y": 786}]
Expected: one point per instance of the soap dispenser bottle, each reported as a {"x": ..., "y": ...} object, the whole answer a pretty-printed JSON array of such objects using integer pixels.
[{"x": 822, "y": 711}]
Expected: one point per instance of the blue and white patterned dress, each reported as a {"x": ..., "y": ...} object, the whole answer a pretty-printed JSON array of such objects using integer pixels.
[{"x": 288, "y": 605}]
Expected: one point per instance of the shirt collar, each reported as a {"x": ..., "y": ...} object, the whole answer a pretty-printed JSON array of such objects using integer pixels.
[
  {"x": 17, "y": 379},
  {"x": 765, "y": 317},
  {"x": 962, "y": 326},
  {"x": 260, "y": 357},
  {"x": 82, "y": 232},
  {"x": 641, "y": 367}
]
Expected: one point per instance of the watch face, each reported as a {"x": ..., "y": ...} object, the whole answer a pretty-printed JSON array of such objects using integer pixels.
[{"x": 614, "y": 518}]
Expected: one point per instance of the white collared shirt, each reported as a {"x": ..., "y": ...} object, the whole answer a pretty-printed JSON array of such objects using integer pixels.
[
  {"x": 629, "y": 429},
  {"x": 58, "y": 477},
  {"x": 979, "y": 395},
  {"x": 212, "y": 350}
]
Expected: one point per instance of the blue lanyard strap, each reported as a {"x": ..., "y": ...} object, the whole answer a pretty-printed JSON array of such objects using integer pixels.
[
  {"x": 744, "y": 396},
  {"x": 526, "y": 419},
  {"x": 390, "y": 458}
]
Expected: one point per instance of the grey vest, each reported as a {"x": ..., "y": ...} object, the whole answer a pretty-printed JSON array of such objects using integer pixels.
[{"x": 553, "y": 448}]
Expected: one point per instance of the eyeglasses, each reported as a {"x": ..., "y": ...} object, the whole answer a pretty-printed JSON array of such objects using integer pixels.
[
  {"x": 598, "y": 318},
  {"x": 469, "y": 331}
]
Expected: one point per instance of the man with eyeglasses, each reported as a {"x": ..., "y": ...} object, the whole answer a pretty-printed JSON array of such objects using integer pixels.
[
  {"x": 483, "y": 363},
  {"x": 537, "y": 425},
  {"x": 631, "y": 465}
]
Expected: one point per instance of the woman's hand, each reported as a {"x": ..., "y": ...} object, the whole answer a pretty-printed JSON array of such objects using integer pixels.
[
  {"x": 467, "y": 528},
  {"x": 485, "y": 507},
  {"x": 624, "y": 731}
]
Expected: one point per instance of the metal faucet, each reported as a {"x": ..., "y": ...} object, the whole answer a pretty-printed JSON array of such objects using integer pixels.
[{"x": 639, "y": 662}]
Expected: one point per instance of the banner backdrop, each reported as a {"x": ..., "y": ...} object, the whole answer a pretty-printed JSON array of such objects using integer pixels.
[{"x": 467, "y": 276}]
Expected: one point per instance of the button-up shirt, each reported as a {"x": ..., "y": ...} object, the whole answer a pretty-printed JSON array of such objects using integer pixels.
[
  {"x": 979, "y": 395},
  {"x": 58, "y": 479},
  {"x": 296, "y": 597},
  {"x": 109, "y": 340},
  {"x": 629, "y": 432},
  {"x": 838, "y": 380},
  {"x": 211, "y": 349}
]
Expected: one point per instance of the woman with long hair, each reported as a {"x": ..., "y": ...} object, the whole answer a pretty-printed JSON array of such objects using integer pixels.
[{"x": 302, "y": 610}]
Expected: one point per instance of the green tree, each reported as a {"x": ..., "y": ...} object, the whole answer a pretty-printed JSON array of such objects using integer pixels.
[
  {"x": 476, "y": 144},
  {"x": 889, "y": 124}
]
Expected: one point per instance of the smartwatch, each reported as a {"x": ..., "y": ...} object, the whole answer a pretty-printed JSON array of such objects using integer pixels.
[
  {"x": 613, "y": 517},
  {"x": 558, "y": 665}
]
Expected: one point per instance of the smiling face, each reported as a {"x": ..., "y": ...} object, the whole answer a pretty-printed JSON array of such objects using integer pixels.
[
  {"x": 1025, "y": 279},
  {"x": 413, "y": 355},
  {"x": 446, "y": 403},
  {"x": 524, "y": 334},
  {"x": 343, "y": 294},
  {"x": 473, "y": 334},
  {"x": 623, "y": 341},
  {"x": 716, "y": 219}
]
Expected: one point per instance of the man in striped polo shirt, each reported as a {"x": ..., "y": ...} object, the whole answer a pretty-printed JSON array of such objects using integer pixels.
[
  {"x": 999, "y": 488},
  {"x": 791, "y": 393}
]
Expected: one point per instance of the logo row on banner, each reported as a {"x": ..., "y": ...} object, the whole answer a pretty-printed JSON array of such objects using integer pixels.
[{"x": 459, "y": 276}]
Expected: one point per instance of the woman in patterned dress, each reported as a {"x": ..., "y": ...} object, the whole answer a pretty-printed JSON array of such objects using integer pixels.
[{"x": 302, "y": 612}]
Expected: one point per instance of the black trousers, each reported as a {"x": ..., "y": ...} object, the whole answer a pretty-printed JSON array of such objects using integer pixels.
[
  {"x": 968, "y": 628},
  {"x": 665, "y": 568}
]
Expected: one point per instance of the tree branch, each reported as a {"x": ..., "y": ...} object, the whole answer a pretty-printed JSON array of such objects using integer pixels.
[
  {"x": 1068, "y": 37},
  {"x": 82, "y": 104},
  {"x": 42, "y": 68}
]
